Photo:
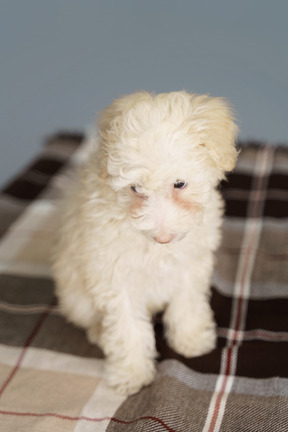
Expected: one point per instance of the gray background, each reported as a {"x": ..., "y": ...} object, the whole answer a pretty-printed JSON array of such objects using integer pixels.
[{"x": 64, "y": 60}]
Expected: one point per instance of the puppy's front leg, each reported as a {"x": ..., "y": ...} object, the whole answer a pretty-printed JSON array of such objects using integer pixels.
[
  {"x": 127, "y": 340},
  {"x": 188, "y": 320}
]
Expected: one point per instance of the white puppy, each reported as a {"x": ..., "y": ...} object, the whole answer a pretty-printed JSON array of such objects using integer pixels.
[{"x": 140, "y": 227}]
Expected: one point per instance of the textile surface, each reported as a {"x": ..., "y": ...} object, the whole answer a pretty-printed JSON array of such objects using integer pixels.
[{"x": 51, "y": 377}]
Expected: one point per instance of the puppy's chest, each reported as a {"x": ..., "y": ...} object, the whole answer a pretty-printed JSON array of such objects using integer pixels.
[{"x": 155, "y": 280}]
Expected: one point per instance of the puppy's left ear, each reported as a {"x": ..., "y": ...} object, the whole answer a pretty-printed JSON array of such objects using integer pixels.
[{"x": 220, "y": 132}]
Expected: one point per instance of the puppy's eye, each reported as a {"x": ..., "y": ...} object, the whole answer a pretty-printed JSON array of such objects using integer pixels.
[
  {"x": 137, "y": 189},
  {"x": 180, "y": 184}
]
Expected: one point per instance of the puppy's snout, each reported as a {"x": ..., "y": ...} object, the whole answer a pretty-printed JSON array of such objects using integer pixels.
[{"x": 164, "y": 239}]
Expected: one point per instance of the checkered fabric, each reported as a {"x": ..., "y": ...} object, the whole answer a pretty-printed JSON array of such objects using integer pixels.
[{"x": 51, "y": 377}]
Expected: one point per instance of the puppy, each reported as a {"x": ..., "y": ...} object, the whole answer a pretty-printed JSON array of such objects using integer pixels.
[{"x": 140, "y": 227}]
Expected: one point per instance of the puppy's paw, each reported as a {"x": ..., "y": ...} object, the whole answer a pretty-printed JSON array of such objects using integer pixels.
[
  {"x": 194, "y": 342},
  {"x": 129, "y": 377},
  {"x": 191, "y": 333}
]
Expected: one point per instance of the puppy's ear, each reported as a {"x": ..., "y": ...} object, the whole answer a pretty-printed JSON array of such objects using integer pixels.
[{"x": 219, "y": 132}]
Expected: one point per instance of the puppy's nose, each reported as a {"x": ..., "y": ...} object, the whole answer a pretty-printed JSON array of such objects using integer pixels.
[{"x": 164, "y": 239}]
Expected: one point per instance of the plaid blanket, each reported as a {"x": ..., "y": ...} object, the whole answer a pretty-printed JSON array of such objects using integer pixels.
[{"x": 51, "y": 378}]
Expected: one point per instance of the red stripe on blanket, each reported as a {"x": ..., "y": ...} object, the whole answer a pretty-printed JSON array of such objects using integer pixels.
[{"x": 88, "y": 419}]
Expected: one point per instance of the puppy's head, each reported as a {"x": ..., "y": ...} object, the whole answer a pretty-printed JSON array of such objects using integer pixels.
[{"x": 164, "y": 154}]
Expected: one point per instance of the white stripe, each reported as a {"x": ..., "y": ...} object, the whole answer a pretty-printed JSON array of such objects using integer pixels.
[
  {"x": 28, "y": 309},
  {"x": 45, "y": 360},
  {"x": 221, "y": 388},
  {"x": 261, "y": 290},
  {"x": 259, "y": 334},
  {"x": 243, "y": 277},
  {"x": 213, "y": 401},
  {"x": 249, "y": 247},
  {"x": 224, "y": 398},
  {"x": 252, "y": 232}
]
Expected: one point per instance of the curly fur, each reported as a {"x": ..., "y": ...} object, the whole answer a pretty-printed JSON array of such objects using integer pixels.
[{"x": 133, "y": 243}]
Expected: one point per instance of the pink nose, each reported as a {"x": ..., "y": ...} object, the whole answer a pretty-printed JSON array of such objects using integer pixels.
[{"x": 164, "y": 239}]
